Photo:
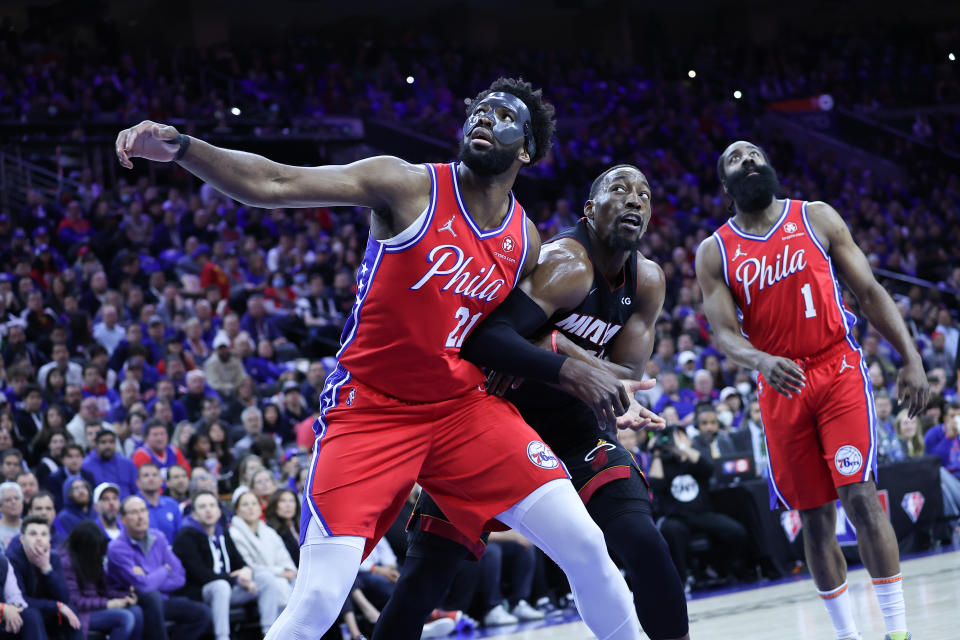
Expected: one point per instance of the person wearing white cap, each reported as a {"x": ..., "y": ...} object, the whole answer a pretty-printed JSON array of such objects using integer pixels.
[
  {"x": 223, "y": 369},
  {"x": 106, "y": 502}
]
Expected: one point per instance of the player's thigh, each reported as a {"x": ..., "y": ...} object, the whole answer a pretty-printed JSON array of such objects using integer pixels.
[
  {"x": 483, "y": 460},
  {"x": 847, "y": 426},
  {"x": 364, "y": 465},
  {"x": 799, "y": 478}
]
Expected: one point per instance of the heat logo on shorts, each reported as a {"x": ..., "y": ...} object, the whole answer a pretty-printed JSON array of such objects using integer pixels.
[
  {"x": 848, "y": 460},
  {"x": 541, "y": 455}
]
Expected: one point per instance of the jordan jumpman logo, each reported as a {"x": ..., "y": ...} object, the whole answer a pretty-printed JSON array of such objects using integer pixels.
[
  {"x": 738, "y": 253},
  {"x": 448, "y": 227},
  {"x": 844, "y": 365}
]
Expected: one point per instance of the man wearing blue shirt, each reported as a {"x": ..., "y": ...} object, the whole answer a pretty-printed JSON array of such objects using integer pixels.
[
  {"x": 107, "y": 465},
  {"x": 164, "y": 512}
]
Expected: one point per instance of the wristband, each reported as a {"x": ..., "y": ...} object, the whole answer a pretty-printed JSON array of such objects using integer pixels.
[
  {"x": 553, "y": 340},
  {"x": 184, "y": 142}
]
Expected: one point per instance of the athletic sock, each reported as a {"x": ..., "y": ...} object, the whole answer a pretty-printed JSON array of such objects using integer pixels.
[
  {"x": 890, "y": 597},
  {"x": 837, "y": 602}
]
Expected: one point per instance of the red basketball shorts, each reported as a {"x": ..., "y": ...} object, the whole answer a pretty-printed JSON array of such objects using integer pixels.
[
  {"x": 825, "y": 437},
  {"x": 474, "y": 454}
]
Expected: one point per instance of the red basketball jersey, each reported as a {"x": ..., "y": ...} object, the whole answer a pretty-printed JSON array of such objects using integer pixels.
[
  {"x": 784, "y": 286},
  {"x": 420, "y": 294}
]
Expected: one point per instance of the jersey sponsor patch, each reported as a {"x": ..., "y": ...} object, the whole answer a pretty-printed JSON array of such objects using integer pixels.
[
  {"x": 540, "y": 455},
  {"x": 848, "y": 460}
]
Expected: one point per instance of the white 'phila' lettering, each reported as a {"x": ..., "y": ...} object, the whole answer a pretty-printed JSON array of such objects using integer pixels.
[
  {"x": 448, "y": 260},
  {"x": 752, "y": 270}
]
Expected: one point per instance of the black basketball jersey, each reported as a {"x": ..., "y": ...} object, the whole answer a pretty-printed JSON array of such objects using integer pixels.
[{"x": 592, "y": 326}]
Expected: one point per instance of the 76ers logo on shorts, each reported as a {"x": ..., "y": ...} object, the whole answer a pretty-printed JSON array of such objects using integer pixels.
[
  {"x": 541, "y": 455},
  {"x": 848, "y": 460}
]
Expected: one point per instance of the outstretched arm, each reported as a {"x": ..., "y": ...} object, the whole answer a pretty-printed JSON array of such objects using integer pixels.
[
  {"x": 780, "y": 373},
  {"x": 877, "y": 305},
  {"x": 379, "y": 183}
]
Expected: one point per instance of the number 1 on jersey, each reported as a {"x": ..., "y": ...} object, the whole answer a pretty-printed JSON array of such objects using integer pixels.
[
  {"x": 811, "y": 311},
  {"x": 463, "y": 317}
]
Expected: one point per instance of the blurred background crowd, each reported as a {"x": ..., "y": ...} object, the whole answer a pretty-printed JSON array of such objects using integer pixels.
[{"x": 160, "y": 339}]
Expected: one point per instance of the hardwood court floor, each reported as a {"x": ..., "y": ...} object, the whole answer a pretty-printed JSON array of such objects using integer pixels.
[{"x": 792, "y": 610}]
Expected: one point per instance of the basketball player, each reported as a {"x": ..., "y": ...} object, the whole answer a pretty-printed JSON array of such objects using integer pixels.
[
  {"x": 772, "y": 265},
  {"x": 602, "y": 299},
  {"x": 447, "y": 244}
]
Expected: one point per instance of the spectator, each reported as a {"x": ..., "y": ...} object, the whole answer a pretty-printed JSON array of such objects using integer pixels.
[
  {"x": 196, "y": 393},
  {"x": 72, "y": 466},
  {"x": 164, "y": 511},
  {"x": 210, "y": 414},
  {"x": 89, "y": 414},
  {"x": 83, "y": 558},
  {"x": 261, "y": 547},
  {"x": 12, "y": 464},
  {"x": 77, "y": 505},
  {"x": 680, "y": 479},
  {"x": 106, "y": 502},
  {"x": 140, "y": 558},
  {"x": 313, "y": 385},
  {"x": 155, "y": 449},
  {"x": 107, "y": 465},
  {"x": 909, "y": 435},
  {"x": 936, "y": 356},
  {"x": 108, "y": 332},
  {"x": 178, "y": 484},
  {"x": 41, "y": 504},
  {"x": 283, "y": 514},
  {"x": 166, "y": 391},
  {"x": 223, "y": 370},
  {"x": 509, "y": 549},
  {"x": 19, "y": 619},
  {"x": 11, "y": 510},
  {"x": 29, "y": 421},
  {"x": 216, "y": 572},
  {"x": 682, "y": 400},
  {"x": 244, "y": 398},
  {"x": 129, "y": 396},
  {"x": 258, "y": 324},
  {"x": 711, "y": 442},
  {"x": 181, "y": 437},
  {"x": 220, "y": 449},
  {"x": 41, "y": 581},
  {"x": 252, "y": 421},
  {"x": 263, "y": 485},
  {"x": 28, "y": 485}
]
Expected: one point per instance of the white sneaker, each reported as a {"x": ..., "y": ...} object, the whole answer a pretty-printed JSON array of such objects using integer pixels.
[
  {"x": 438, "y": 628},
  {"x": 499, "y": 616},
  {"x": 524, "y": 612}
]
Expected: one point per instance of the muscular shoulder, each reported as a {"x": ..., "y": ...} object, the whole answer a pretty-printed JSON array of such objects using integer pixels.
[
  {"x": 563, "y": 276},
  {"x": 395, "y": 175},
  {"x": 708, "y": 257},
  {"x": 826, "y": 222},
  {"x": 650, "y": 278}
]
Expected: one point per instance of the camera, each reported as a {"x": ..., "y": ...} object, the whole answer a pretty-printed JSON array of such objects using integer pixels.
[{"x": 662, "y": 441}]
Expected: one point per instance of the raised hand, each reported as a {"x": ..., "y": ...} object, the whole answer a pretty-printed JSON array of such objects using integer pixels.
[{"x": 148, "y": 140}]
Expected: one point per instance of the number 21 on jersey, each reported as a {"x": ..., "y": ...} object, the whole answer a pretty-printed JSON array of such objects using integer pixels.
[{"x": 465, "y": 322}]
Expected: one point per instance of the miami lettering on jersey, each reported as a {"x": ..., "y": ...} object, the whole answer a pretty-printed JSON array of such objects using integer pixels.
[
  {"x": 752, "y": 269},
  {"x": 449, "y": 260},
  {"x": 596, "y": 330}
]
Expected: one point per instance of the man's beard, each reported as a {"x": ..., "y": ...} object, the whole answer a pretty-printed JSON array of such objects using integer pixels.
[
  {"x": 492, "y": 162},
  {"x": 753, "y": 193}
]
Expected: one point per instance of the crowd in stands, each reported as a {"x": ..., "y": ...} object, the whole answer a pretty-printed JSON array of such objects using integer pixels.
[{"x": 163, "y": 348}]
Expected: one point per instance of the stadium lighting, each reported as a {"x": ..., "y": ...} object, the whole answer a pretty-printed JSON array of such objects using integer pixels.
[
  {"x": 235, "y": 111},
  {"x": 409, "y": 79},
  {"x": 692, "y": 73},
  {"x": 951, "y": 57},
  {"x": 737, "y": 94}
]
